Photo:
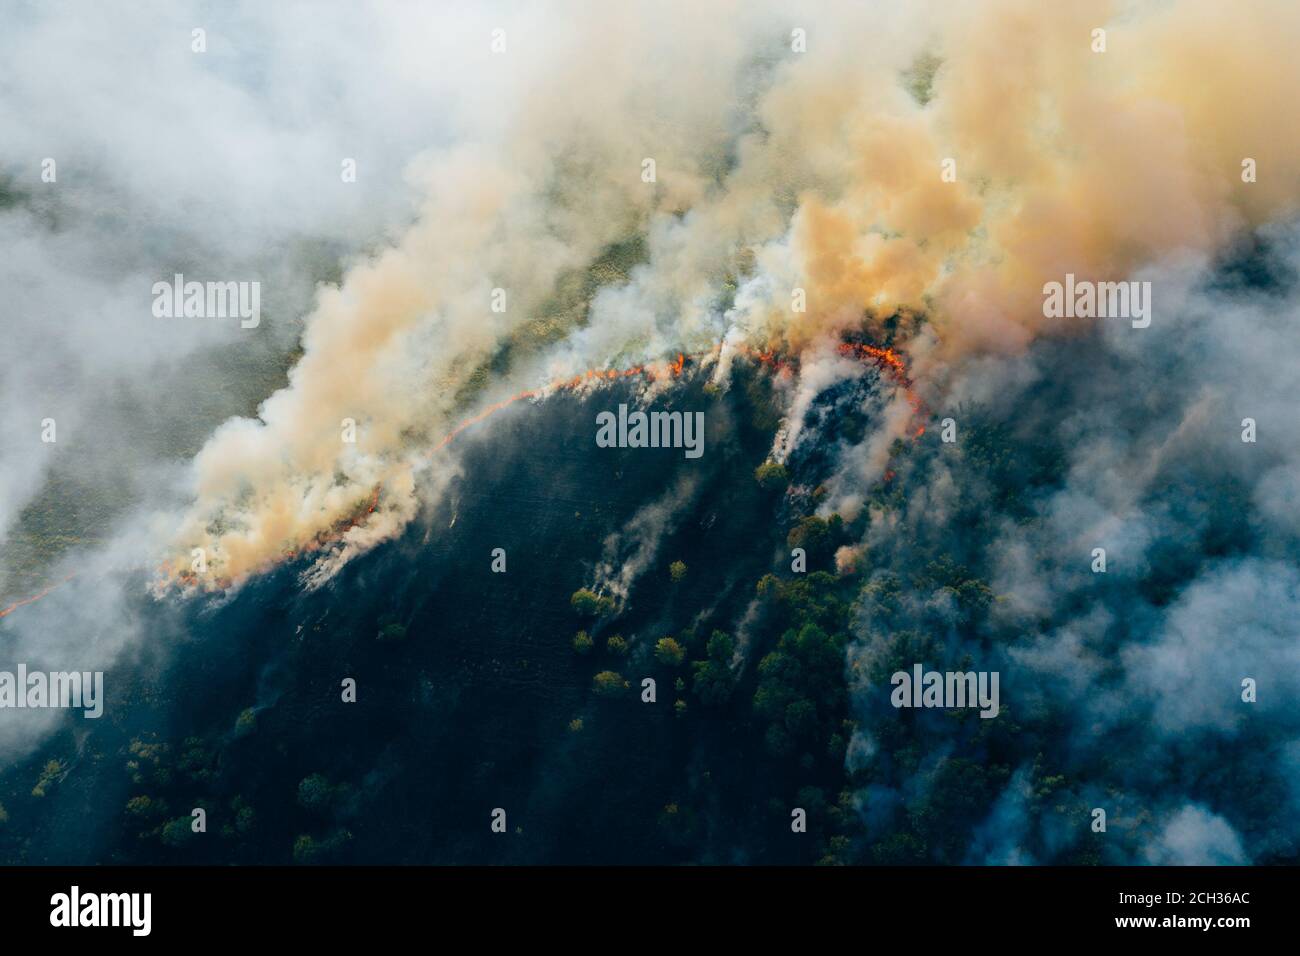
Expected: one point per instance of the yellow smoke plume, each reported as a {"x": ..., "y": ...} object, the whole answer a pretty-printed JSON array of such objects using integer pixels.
[{"x": 775, "y": 170}]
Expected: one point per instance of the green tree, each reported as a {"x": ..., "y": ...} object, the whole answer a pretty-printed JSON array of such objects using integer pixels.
[
  {"x": 609, "y": 684},
  {"x": 582, "y": 642},
  {"x": 677, "y": 570},
  {"x": 808, "y": 598},
  {"x": 196, "y": 761},
  {"x": 714, "y": 680},
  {"x": 590, "y": 604},
  {"x": 178, "y": 832},
  {"x": 772, "y": 474},
  {"x": 307, "y": 849},
  {"x": 246, "y": 723},
  {"x": 145, "y": 808},
  {"x": 801, "y": 688},
  {"x": 49, "y": 776},
  {"x": 721, "y": 647},
  {"x": 815, "y": 535},
  {"x": 669, "y": 652},
  {"x": 616, "y": 645}
]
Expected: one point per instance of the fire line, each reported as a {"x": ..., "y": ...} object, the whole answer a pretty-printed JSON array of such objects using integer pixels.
[{"x": 888, "y": 360}]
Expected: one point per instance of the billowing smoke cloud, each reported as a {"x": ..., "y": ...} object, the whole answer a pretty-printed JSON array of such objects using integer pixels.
[
  {"x": 775, "y": 170},
  {"x": 1168, "y": 677},
  {"x": 801, "y": 191},
  {"x": 128, "y": 157}
]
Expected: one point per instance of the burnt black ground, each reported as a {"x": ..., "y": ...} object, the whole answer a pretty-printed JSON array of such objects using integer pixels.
[{"x": 471, "y": 710}]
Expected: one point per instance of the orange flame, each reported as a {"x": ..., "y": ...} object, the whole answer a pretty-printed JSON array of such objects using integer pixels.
[
  {"x": 35, "y": 597},
  {"x": 765, "y": 357},
  {"x": 889, "y": 360}
]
